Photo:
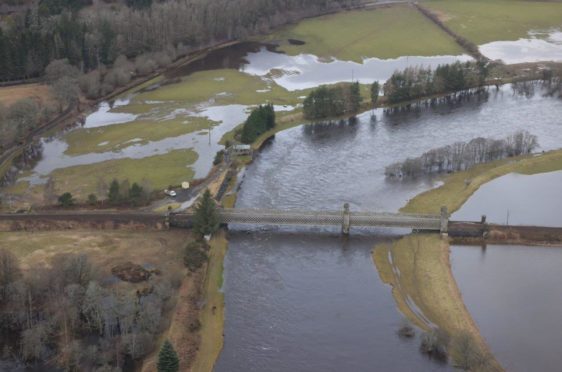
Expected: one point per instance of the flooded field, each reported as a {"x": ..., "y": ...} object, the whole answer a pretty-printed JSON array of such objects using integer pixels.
[
  {"x": 540, "y": 46},
  {"x": 514, "y": 295},
  {"x": 513, "y": 292},
  {"x": 517, "y": 199}
]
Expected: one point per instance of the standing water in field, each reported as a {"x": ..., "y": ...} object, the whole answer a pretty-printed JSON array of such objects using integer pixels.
[
  {"x": 538, "y": 47},
  {"x": 514, "y": 292}
]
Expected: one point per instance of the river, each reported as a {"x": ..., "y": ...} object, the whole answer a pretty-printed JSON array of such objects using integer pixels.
[
  {"x": 514, "y": 292},
  {"x": 301, "y": 301}
]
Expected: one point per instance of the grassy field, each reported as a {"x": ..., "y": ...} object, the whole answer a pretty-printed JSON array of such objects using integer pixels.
[
  {"x": 454, "y": 192},
  {"x": 483, "y": 21},
  {"x": 418, "y": 269},
  {"x": 159, "y": 171},
  {"x": 118, "y": 136},
  {"x": 383, "y": 33},
  {"x": 212, "y": 315},
  {"x": 105, "y": 248},
  {"x": 11, "y": 94}
]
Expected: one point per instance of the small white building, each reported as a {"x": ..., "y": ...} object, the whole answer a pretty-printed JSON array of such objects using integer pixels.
[{"x": 240, "y": 150}]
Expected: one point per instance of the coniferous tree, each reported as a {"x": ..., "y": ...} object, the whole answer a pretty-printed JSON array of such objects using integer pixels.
[
  {"x": 206, "y": 221},
  {"x": 114, "y": 196},
  {"x": 375, "y": 90},
  {"x": 168, "y": 358}
]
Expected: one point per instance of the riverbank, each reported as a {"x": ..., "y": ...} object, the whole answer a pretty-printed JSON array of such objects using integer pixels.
[
  {"x": 212, "y": 314},
  {"x": 419, "y": 271}
]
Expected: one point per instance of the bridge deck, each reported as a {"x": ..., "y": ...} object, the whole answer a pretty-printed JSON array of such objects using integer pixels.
[{"x": 327, "y": 218}]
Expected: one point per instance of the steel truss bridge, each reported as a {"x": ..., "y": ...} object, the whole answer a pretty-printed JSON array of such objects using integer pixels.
[{"x": 344, "y": 218}]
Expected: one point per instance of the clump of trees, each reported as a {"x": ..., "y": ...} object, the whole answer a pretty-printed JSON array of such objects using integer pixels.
[
  {"x": 61, "y": 313},
  {"x": 66, "y": 200},
  {"x": 195, "y": 255},
  {"x": 125, "y": 194},
  {"x": 416, "y": 82},
  {"x": 328, "y": 102},
  {"x": 260, "y": 121},
  {"x": 463, "y": 155}
]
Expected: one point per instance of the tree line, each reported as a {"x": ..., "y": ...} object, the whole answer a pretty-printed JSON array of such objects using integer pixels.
[
  {"x": 417, "y": 82},
  {"x": 463, "y": 155},
  {"x": 90, "y": 37},
  {"x": 328, "y": 102}
]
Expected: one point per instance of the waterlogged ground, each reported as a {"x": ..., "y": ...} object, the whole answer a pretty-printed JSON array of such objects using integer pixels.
[
  {"x": 167, "y": 132},
  {"x": 514, "y": 295},
  {"x": 486, "y": 21},
  {"x": 517, "y": 199},
  {"x": 538, "y": 46}
]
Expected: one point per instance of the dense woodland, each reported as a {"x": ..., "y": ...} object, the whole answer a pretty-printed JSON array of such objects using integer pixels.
[
  {"x": 328, "y": 102},
  {"x": 417, "y": 82},
  {"x": 93, "y": 35},
  {"x": 463, "y": 155},
  {"x": 66, "y": 314}
]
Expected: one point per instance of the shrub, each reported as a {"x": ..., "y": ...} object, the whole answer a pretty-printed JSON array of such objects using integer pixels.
[
  {"x": 66, "y": 200},
  {"x": 194, "y": 255},
  {"x": 218, "y": 157},
  {"x": 92, "y": 199},
  {"x": 406, "y": 329},
  {"x": 435, "y": 344}
]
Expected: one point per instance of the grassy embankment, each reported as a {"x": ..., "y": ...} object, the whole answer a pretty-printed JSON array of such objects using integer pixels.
[
  {"x": 383, "y": 33},
  {"x": 418, "y": 269},
  {"x": 484, "y": 21},
  {"x": 212, "y": 315}
]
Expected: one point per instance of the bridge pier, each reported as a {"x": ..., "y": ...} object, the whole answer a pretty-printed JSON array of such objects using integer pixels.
[
  {"x": 444, "y": 223},
  {"x": 346, "y": 220}
]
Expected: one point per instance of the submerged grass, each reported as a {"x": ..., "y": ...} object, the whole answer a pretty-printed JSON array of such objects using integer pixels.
[
  {"x": 118, "y": 136},
  {"x": 483, "y": 21},
  {"x": 222, "y": 87},
  {"x": 458, "y": 187},
  {"x": 212, "y": 315},
  {"x": 384, "y": 33},
  {"x": 156, "y": 171}
]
